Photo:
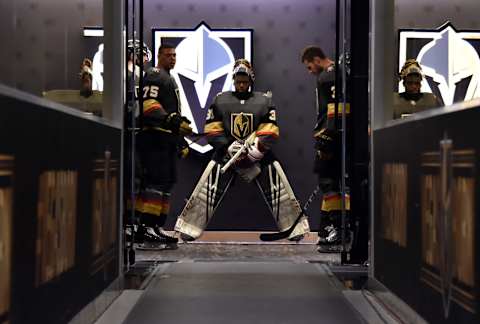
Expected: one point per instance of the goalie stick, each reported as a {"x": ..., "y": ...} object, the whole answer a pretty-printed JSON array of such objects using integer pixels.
[
  {"x": 268, "y": 237},
  {"x": 249, "y": 141}
]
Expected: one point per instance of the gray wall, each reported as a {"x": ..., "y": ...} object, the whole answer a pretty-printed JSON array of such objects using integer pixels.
[
  {"x": 431, "y": 14},
  {"x": 42, "y": 42},
  {"x": 464, "y": 14}
]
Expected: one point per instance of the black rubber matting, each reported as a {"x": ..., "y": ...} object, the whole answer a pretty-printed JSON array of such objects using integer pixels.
[{"x": 242, "y": 292}]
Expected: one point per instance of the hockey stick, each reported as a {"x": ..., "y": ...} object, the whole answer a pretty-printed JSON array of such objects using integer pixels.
[
  {"x": 197, "y": 135},
  {"x": 194, "y": 138},
  {"x": 269, "y": 237}
]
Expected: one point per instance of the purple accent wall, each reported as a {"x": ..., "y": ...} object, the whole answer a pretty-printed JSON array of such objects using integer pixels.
[
  {"x": 42, "y": 42},
  {"x": 281, "y": 30}
]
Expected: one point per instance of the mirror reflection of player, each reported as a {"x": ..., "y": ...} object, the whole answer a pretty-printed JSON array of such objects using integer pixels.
[
  {"x": 97, "y": 69},
  {"x": 412, "y": 100},
  {"x": 91, "y": 73},
  {"x": 86, "y": 78}
]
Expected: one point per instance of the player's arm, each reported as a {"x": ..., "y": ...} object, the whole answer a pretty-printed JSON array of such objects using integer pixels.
[
  {"x": 268, "y": 131},
  {"x": 155, "y": 115},
  {"x": 214, "y": 127},
  {"x": 266, "y": 134}
]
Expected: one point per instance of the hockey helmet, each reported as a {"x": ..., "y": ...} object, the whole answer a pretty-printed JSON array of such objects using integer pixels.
[
  {"x": 243, "y": 66},
  {"x": 134, "y": 47}
]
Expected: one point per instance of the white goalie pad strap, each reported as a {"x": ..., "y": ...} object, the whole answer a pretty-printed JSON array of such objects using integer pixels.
[
  {"x": 189, "y": 229},
  {"x": 302, "y": 228},
  {"x": 285, "y": 206},
  {"x": 201, "y": 205}
]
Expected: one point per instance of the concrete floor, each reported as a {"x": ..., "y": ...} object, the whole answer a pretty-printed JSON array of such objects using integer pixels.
[
  {"x": 238, "y": 292},
  {"x": 296, "y": 253},
  {"x": 217, "y": 281}
]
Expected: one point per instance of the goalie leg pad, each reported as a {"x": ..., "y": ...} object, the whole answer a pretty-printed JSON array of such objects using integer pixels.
[
  {"x": 281, "y": 199},
  {"x": 203, "y": 201}
]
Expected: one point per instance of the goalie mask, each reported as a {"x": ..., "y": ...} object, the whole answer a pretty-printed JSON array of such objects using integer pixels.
[
  {"x": 243, "y": 66},
  {"x": 410, "y": 67},
  {"x": 133, "y": 47},
  {"x": 412, "y": 75}
]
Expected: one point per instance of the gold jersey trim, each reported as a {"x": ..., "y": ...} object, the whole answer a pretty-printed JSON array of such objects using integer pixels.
[
  {"x": 151, "y": 105},
  {"x": 331, "y": 109},
  {"x": 334, "y": 202},
  {"x": 268, "y": 129},
  {"x": 213, "y": 127}
]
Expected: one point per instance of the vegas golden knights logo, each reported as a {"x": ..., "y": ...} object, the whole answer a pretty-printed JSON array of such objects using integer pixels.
[{"x": 241, "y": 125}]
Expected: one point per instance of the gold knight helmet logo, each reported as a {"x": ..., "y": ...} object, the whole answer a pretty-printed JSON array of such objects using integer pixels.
[{"x": 241, "y": 125}]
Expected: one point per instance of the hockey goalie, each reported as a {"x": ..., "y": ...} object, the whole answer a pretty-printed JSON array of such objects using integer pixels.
[{"x": 242, "y": 126}]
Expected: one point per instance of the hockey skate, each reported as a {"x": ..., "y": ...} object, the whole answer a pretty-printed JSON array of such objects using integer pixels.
[
  {"x": 152, "y": 241},
  {"x": 164, "y": 235},
  {"x": 330, "y": 240}
]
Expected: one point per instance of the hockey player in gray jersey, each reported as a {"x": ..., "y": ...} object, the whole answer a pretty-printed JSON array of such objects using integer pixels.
[
  {"x": 241, "y": 126},
  {"x": 159, "y": 143},
  {"x": 327, "y": 148},
  {"x": 412, "y": 100}
]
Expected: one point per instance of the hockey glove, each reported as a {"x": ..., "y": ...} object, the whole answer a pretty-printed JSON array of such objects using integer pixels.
[
  {"x": 242, "y": 161},
  {"x": 178, "y": 124},
  {"x": 183, "y": 153},
  {"x": 254, "y": 152},
  {"x": 327, "y": 140},
  {"x": 234, "y": 148},
  {"x": 183, "y": 149}
]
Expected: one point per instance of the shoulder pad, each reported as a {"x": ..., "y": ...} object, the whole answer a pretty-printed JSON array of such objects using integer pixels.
[
  {"x": 157, "y": 75},
  {"x": 268, "y": 94},
  {"x": 223, "y": 93},
  {"x": 153, "y": 70}
]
